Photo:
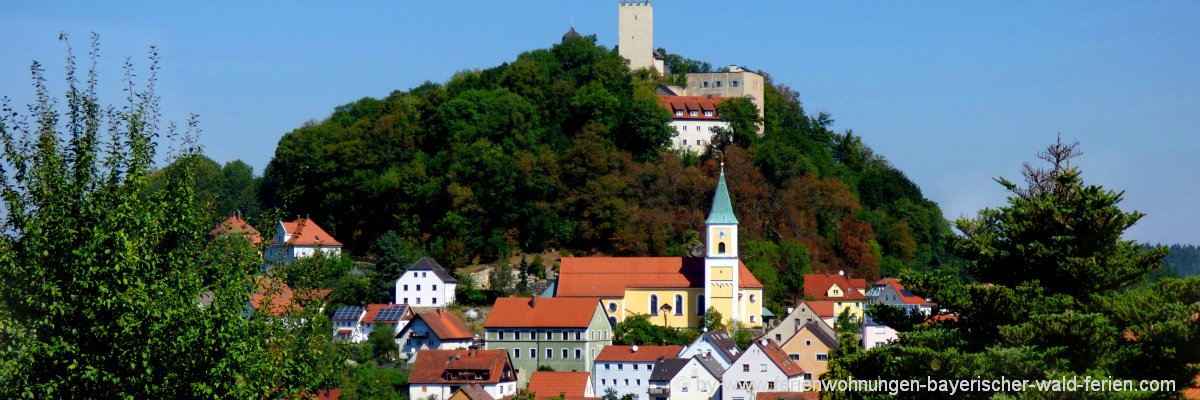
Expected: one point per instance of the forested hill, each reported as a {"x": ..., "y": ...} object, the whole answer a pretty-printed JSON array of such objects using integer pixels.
[{"x": 566, "y": 148}]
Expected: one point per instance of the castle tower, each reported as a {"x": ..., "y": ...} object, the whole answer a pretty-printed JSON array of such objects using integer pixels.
[
  {"x": 636, "y": 33},
  {"x": 721, "y": 257}
]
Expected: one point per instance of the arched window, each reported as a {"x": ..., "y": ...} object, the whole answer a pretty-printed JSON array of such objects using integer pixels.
[
  {"x": 612, "y": 321},
  {"x": 721, "y": 248},
  {"x": 654, "y": 304},
  {"x": 752, "y": 318},
  {"x": 700, "y": 305},
  {"x": 752, "y": 298},
  {"x": 679, "y": 304},
  {"x": 612, "y": 307}
]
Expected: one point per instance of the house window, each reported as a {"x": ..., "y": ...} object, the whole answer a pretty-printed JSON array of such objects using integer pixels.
[
  {"x": 578, "y": 335},
  {"x": 778, "y": 337},
  {"x": 693, "y": 113},
  {"x": 620, "y": 367},
  {"x": 654, "y": 304},
  {"x": 745, "y": 367},
  {"x": 603, "y": 382},
  {"x": 807, "y": 376},
  {"x": 708, "y": 113},
  {"x": 752, "y": 318},
  {"x": 733, "y": 83},
  {"x": 679, "y": 113},
  {"x": 678, "y": 304},
  {"x": 516, "y": 353},
  {"x": 435, "y": 300},
  {"x": 607, "y": 367},
  {"x": 697, "y": 128},
  {"x": 721, "y": 248},
  {"x": 697, "y": 142},
  {"x": 683, "y": 142},
  {"x": 405, "y": 287},
  {"x": 796, "y": 357},
  {"x": 532, "y": 353},
  {"x": 635, "y": 367},
  {"x": 808, "y": 343},
  {"x": 418, "y": 300},
  {"x": 418, "y": 288},
  {"x": 700, "y": 305},
  {"x": 626, "y": 382},
  {"x": 549, "y": 354},
  {"x": 500, "y": 335},
  {"x": 578, "y": 354},
  {"x": 564, "y": 353},
  {"x": 405, "y": 300},
  {"x": 564, "y": 335},
  {"x": 718, "y": 83},
  {"x": 822, "y": 357},
  {"x": 434, "y": 289},
  {"x": 770, "y": 385},
  {"x": 752, "y": 297},
  {"x": 762, "y": 367},
  {"x": 704, "y": 84}
]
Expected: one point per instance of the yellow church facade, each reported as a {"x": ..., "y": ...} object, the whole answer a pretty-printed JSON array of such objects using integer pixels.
[{"x": 673, "y": 291}]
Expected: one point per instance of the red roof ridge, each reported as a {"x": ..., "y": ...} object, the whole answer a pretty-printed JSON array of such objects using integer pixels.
[
  {"x": 626, "y": 353},
  {"x": 556, "y": 312}
]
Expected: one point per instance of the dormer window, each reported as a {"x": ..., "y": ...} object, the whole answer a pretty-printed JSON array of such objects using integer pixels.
[
  {"x": 679, "y": 113},
  {"x": 693, "y": 113},
  {"x": 708, "y": 113}
]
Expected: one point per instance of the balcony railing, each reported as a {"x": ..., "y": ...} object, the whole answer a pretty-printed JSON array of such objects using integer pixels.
[{"x": 659, "y": 391}]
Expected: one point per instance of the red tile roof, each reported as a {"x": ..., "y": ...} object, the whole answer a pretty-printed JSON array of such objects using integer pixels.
[
  {"x": 687, "y": 104},
  {"x": 277, "y": 294},
  {"x": 374, "y": 309},
  {"x": 542, "y": 312},
  {"x": 899, "y": 288},
  {"x": 445, "y": 324},
  {"x": 816, "y": 285},
  {"x": 823, "y": 308},
  {"x": 236, "y": 225},
  {"x": 620, "y": 353},
  {"x": 610, "y": 276},
  {"x": 329, "y": 394},
  {"x": 548, "y": 384},
  {"x": 305, "y": 232},
  {"x": 779, "y": 357},
  {"x": 1193, "y": 390},
  {"x": 810, "y": 395},
  {"x": 442, "y": 366}
]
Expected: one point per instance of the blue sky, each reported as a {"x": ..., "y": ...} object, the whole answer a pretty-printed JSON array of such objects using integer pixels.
[{"x": 954, "y": 94}]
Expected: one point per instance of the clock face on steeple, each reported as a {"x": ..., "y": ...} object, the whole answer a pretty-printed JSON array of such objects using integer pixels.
[{"x": 721, "y": 234}]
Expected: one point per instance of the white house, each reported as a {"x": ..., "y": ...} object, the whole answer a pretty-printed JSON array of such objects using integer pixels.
[
  {"x": 694, "y": 119},
  {"x": 764, "y": 367},
  {"x": 716, "y": 344},
  {"x": 442, "y": 372},
  {"x": 876, "y": 334},
  {"x": 425, "y": 284},
  {"x": 695, "y": 378},
  {"x": 392, "y": 316},
  {"x": 627, "y": 369},
  {"x": 347, "y": 324},
  {"x": 438, "y": 330},
  {"x": 298, "y": 239}
]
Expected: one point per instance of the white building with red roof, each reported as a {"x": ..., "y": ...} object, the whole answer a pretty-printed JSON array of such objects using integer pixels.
[
  {"x": 298, "y": 239},
  {"x": 764, "y": 367},
  {"x": 441, "y": 373},
  {"x": 546, "y": 385},
  {"x": 695, "y": 119},
  {"x": 673, "y": 291},
  {"x": 626, "y": 369},
  {"x": 435, "y": 329},
  {"x": 564, "y": 334}
]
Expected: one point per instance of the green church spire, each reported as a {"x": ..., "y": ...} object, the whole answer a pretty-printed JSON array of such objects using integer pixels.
[{"x": 722, "y": 208}]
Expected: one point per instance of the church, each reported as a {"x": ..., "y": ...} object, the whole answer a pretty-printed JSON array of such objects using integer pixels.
[{"x": 674, "y": 291}]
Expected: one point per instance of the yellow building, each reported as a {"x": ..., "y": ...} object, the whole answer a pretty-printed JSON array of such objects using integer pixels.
[{"x": 673, "y": 291}]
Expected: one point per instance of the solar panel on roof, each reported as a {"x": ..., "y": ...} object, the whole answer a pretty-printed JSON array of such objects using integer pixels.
[
  {"x": 390, "y": 314},
  {"x": 347, "y": 313}
]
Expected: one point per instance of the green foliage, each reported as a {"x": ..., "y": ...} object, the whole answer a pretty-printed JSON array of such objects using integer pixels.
[
  {"x": 1050, "y": 295},
  {"x": 1183, "y": 260},
  {"x": 371, "y": 382},
  {"x": 741, "y": 335},
  {"x": 220, "y": 190},
  {"x": 382, "y": 343},
  {"x": 111, "y": 291},
  {"x": 713, "y": 320},
  {"x": 847, "y": 322},
  {"x": 743, "y": 119},
  {"x": 611, "y": 394},
  {"x": 637, "y": 329}
]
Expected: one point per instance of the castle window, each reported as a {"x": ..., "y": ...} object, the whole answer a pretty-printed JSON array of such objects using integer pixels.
[
  {"x": 700, "y": 305},
  {"x": 704, "y": 84},
  {"x": 721, "y": 248},
  {"x": 718, "y": 83},
  {"x": 679, "y": 304},
  {"x": 654, "y": 304}
]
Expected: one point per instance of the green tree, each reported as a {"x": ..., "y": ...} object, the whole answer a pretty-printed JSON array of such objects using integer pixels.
[
  {"x": 1050, "y": 295},
  {"x": 112, "y": 292},
  {"x": 743, "y": 119},
  {"x": 372, "y": 382},
  {"x": 382, "y": 342},
  {"x": 713, "y": 320}
]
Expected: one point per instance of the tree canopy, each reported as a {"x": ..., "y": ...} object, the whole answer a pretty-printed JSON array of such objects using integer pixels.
[{"x": 1050, "y": 295}]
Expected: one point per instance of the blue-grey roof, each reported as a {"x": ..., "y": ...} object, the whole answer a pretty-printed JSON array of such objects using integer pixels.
[
  {"x": 722, "y": 208},
  {"x": 427, "y": 264}
]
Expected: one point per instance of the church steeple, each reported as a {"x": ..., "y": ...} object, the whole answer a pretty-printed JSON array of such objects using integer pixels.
[{"x": 722, "y": 208}]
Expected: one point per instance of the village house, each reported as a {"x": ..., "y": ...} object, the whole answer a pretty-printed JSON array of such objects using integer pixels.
[
  {"x": 674, "y": 291},
  {"x": 385, "y": 316},
  {"x": 764, "y": 367},
  {"x": 298, "y": 239},
  {"x": 347, "y": 324},
  {"x": 441, "y": 373},
  {"x": 715, "y": 344},
  {"x": 546, "y": 385},
  {"x": 626, "y": 369},
  {"x": 809, "y": 347},
  {"x": 845, "y": 293},
  {"x": 889, "y": 291},
  {"x": 426, "y": 284},
  {"x": 471, "y": 392},
  {"x": 564, "y": 334},
  {"x": 238, "y": 227},
  {"x": 435, "y": 329},
  {"x": 797, "y": 317},
  {"x": 695, "y": 119},
  {"x": 694, "y": 378}
]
